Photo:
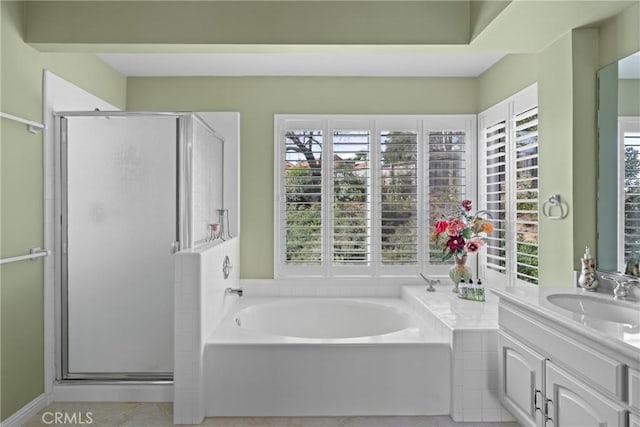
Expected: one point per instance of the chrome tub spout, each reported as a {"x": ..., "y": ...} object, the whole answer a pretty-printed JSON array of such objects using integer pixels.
[{"x": 233, "y": 291}]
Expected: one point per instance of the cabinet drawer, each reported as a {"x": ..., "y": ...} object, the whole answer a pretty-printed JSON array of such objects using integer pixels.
[
  {"x": 595, "y": 368},
  {"x": 634, "y": 390}
]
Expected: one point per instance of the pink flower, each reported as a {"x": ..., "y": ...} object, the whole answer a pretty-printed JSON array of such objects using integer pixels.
[
  {"x": 441, "y": 226},
  {"x": 466, "y": 205},
  {"x": 456, "y": 226},
  {"x": 473, "y": 245},
  {"x": 455, "y": 243}
]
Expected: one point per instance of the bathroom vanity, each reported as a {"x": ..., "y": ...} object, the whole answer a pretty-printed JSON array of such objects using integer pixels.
[{"x": 569, "y": 357}]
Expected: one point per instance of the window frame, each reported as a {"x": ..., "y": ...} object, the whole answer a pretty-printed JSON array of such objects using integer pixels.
[
  {"x": 626, "y": 124},
  {"x": 377, "y": 124},
  {"x": 507, "y": 110}
]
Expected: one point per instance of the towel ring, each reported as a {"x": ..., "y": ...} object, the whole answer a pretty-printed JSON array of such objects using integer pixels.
[{"x": 549, "y": 204}]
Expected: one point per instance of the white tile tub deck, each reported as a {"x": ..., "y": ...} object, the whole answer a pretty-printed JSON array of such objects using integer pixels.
[{"x": 472, "y": 327}]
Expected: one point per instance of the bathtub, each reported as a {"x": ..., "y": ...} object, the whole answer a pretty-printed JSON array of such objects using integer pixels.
[{"x": 324, "y": 357}]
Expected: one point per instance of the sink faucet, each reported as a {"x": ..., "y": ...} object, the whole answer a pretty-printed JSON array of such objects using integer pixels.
[{"x": 622, "y": 287}]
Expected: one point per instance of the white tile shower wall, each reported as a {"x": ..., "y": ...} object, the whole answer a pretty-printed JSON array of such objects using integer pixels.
[{"x": 200, "y": 303}]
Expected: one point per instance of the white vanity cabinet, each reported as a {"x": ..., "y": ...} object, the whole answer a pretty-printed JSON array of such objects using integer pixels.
[
  {"x": 551, "y": 377},
  {"x": 572, "y": 403},
  {"x": 520, "y": 371}
]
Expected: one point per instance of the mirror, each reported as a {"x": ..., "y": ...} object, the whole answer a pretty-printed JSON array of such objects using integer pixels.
[{"x": 619, "y": 166}]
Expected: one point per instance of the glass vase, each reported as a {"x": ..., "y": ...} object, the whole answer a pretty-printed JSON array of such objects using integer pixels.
[{"x": 459, "y": 271}]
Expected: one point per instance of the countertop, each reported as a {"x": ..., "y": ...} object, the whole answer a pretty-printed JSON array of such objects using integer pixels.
[
  {"x": 456, "y": 313},
  {"x": 620, "y": 337}
]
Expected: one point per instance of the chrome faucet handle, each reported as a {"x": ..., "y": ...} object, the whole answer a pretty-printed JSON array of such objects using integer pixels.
[
  {"x": 431, "y": 282},
  {"x": 622, "y": 286}
]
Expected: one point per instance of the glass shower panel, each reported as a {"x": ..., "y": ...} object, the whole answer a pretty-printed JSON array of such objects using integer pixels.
[
  {"x": 207, "y": 179},
  {"x": 121, "y": 224}
]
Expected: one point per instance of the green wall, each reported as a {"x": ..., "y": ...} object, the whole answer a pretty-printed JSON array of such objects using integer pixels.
[
  {"x": 608, "y": 185},
  {"x": 565, "y": 72},
  {"x": 21, "y": 201},
  {"x": 251, "y": 22},
  {"x": 566, "y": 76},
  {"x": 619, "y": 36},
  {"x": 512, "y": 74},
  {"x": 259, "y": 98}
]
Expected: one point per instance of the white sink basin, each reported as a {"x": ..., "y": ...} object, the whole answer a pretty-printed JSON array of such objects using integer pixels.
[{"x": 598, "y": 308}]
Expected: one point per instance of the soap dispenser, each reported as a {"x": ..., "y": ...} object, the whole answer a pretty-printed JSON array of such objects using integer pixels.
[{"x": 588, "y": 279}]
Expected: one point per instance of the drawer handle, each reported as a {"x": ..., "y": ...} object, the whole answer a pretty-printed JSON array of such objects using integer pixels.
[
  {"x": 535, "y": 401},
  {"x": 547, "y": 418}
]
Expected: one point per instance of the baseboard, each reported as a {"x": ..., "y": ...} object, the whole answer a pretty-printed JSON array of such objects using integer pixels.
[
  {"x": 27, "y": 412},
  {"x": 112, "y": 393}
]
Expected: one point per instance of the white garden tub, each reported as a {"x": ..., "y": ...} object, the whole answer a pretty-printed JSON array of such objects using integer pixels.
[{"x": 325, "y": 356}]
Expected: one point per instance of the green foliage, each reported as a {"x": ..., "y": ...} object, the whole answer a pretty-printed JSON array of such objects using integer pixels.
[{"x": 527, "y": 259}]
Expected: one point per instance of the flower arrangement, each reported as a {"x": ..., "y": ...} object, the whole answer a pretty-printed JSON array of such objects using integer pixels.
[{"x": 461, "y": 233}]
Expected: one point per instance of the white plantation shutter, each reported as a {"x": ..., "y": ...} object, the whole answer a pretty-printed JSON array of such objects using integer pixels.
[
  {"x": 495, "y": 193},
  {"x": 351, "y": 187},
  {"x": 302, "y": 180},
  {"x": 351, "y": 191},
  {"x": 629, "y": 229},
  {"x": 447, "y": 185},
  {"x": 509, "y": 187},
  {"x": 399, "y": 199},
  {"x": 525, "y": 211}
]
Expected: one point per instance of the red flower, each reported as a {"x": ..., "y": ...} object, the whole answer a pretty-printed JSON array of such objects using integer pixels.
[
  {"x": 456, "y": 226},
  {"x": 441, "y": 226},
  {"x": 455, "y": 243},
  {"x": 466, "y": 205}
]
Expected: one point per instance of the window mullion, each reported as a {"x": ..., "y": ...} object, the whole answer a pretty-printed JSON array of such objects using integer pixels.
[
  {"x": 375, "y": 202},
  {"x": 512, "y": 255},
  {"x": 423, "y": 200},
  {"x": 327, "y": 199}
]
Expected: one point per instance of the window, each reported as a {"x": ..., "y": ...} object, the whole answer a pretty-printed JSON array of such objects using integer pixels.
[
  {"x": 509, "y": 187},
  {"x": 629, "y": 199},
  {"x": 369, "y": 210}
]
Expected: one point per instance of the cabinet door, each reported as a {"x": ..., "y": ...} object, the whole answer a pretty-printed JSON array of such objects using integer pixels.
[
  {"x": 574, "y": 404},
  {"x": 520, "y": 381}
]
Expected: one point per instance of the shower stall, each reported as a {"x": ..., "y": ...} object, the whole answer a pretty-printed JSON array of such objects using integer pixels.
[{"x": 132, "y": 189}]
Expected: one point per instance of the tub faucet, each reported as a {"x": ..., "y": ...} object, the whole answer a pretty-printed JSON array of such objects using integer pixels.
[
  {"x": 233, "y": 291},
  {"x": 431, "y": 282}
]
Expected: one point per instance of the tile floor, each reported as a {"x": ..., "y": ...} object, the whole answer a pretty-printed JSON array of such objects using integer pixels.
[{"x": 160, "y": 414}]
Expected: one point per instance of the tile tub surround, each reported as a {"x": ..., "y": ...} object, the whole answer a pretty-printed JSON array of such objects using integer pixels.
[
  {"x": 200, "y": 304},
  {"x": 472, "y": 327},
  {"x": 405, "y": 372}
]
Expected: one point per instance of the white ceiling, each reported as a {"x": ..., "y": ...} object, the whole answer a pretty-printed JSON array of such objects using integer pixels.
[{"x": 302, "y": 64}]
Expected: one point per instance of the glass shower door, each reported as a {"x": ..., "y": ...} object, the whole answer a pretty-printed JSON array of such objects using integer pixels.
[{"x": 119, "y": 225}]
